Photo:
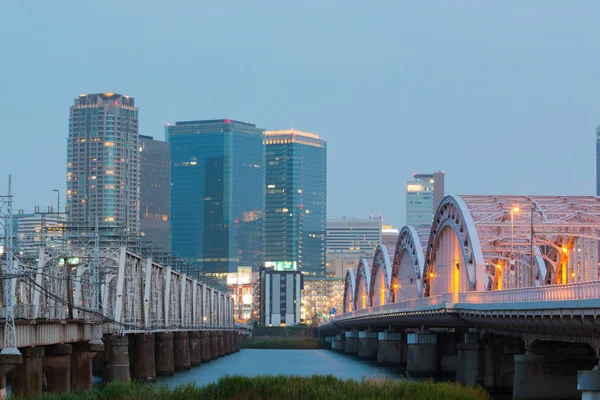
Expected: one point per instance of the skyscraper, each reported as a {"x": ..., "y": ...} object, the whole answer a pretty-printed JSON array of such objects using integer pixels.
[
  {"x": 295, "y": 201},
  {"x": 103, "y": 162},
  {"x": 423, "y": 195},
  {"x": 217, "y": 194},
  {"x": 155, "y": 185}
]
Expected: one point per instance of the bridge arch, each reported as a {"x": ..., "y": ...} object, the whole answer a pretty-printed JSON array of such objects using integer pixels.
[
  {"x": 408, "y": 266},
  {"x": 454, "y": 260},
  {"x": 349, "y": 289},
  {"x": 381, "y": 276},
  {"x": 363, "y": 285}
]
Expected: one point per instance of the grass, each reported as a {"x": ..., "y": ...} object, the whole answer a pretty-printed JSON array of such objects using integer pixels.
[
  {"x": 284, "y": 387},
  {"x": 281, "y": 342}
]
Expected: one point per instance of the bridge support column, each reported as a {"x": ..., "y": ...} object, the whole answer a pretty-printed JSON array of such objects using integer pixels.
[
  {"x": 470, "y": 365},
  {"x": 56, "y": 365},
  {"x": 181, "y": 351},
  {"x": 163, "y": 352},
  {"x": 7, "y": 363},
  {"x": 550, "y": 371},
  {"x": 232, "y": 336},
  {"x": 339, "y": 343},
  {"x": 226, "y": 343},
  {"x": 588, "y": 383},
  {"x": 351, "y": 346},
  {"x": 81, "y": 365},
  {"x": 220, "y": 344},
  {"x": 205, "y": 343},
  {"x": 195, "y": 349},
  {"x": 367, "y": 345},
  {"x": 390, "y": 348},
  {"x": 214, "y": 345},
  {"x": 144, "y": 364},
  {"x": 27, "y": 377},
  {"x": 116, "y": 359},
  {"x": 422, "y": 356}
]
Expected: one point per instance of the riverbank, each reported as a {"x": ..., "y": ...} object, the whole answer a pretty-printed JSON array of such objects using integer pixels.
[
  {"x": 284, "y": 387},
  {"x": 283, "y": 343}
]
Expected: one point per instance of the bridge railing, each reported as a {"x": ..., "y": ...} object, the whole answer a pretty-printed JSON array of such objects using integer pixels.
[{"x": 569, "y": 291}]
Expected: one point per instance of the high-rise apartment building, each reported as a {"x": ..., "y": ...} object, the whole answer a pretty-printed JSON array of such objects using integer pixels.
[
  {"x": 322, "y": 298},
  {"x": 34, "y": 230},
  {"x": 103, "y": 162},
  {"x": 217, "y": 194},
  {"x": 348, "y": 240},
  {"x": 155, "y": 189},
  {"x": 295, "y": 201},
  {"x": 280, "y": 297},
  {"x": 423, "y": 195}
]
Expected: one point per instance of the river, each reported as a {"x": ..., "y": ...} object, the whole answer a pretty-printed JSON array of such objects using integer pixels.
[{"x": 250, "y": 362}]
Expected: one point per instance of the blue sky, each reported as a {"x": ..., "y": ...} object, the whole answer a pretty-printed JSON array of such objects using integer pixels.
[{"x": 501, "y": 95}]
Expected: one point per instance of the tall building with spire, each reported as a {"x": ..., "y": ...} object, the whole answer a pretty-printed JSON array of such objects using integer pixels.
[{"x": 103, "y": 162}]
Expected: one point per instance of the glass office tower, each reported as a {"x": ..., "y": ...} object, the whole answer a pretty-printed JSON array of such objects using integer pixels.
[
  {"x": 103, "y": 162},
  {"x": 295, "y": 201},
  {"x": 423, "y": 196},
  {"x": 217, "y": 194}
]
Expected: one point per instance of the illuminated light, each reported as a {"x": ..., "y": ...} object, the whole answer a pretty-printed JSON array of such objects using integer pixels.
[
  {"x": 109, "y": 94},
  {"x": 573, "y": 274},
  {"x": 516, "y": 209},
  {"x": 112, "y": 144},
  {"x": 291, "y": 132},
  {"x": 116, "y": 102},
  {"x": 565, "y": 250},
  {"x": 227, "y": 121},
  {"x": 499, "y": 266},
  {"x": 411, "y": 187},
  {"x": 431, "y": 274}
]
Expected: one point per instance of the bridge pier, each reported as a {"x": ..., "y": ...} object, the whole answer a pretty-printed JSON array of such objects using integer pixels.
[
  {"x": 588, "y": 383},
  {"x": 205, "y": 346},
  {"x": 81, "y": 365},
  {"x": 7, "y": 363},
  {"x": 351, "y": 346},
  {"x": 214, "y": 345},
  {"x": 220, "y": 344},
  {"x": 339, "y": 343},
  {"x": 390, "y": 349},
  {"x": 27, "y": 378},
  {"x": 181, "y": 351},
  {"x": 195, "y": 348},
  {"x": 226, "y": 343},
  {"x": 471, "y": 363},
  {"x": 116, "y": 359},
  {"x": 56, "y": 365},
  {"x": 163, "y": 351},
  {"x": 367, "y": 344},
  {"x": 232, "y": 336},
  {"x": 550, "y": 371},
  {"x": 144, "y": 364},
  {"x": 422, "y": 355}
]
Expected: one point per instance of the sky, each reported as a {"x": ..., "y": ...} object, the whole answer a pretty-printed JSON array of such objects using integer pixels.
[{"x": 501, "y": 95}]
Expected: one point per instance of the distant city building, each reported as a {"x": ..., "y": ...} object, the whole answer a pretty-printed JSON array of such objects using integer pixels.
[
  {"x": 348, "y": 240},
  {"x": 389, "y": 236},
  {"x": 103, "y": 162},
  {"x": 423, "y": 195},
  {"x": 217, "y": 194},
  {"x": 280, "y": 297},
  {"x": 295, "y": 201},
  {"x": 321, "y": 299},
  {"x": 598, "y": 161},
  {"x": 33, "y": 230},
  {"x": 155, "y": 189}
]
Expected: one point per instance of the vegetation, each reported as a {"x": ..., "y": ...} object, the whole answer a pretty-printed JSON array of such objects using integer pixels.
[
  {"x": 282, "y": 342},
  {"x": 284, "y": 387}
]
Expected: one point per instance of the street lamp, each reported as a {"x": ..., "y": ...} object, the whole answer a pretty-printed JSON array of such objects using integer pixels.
[
  {"x": 512, "y": 228},
  {"x": 57, "y": 205}
]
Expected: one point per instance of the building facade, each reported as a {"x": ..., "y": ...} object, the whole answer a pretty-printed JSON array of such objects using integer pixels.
[
  {"x": 295, "y": 203},
  {"x": 155, "y": 189},
  {"x": 423, "y": 195},
  {"x": 33, "y": 231},
  {"x": 217, "y": 194},
  {"x": 348, "y": 240},
  {"x": 103, "y": 162},
  {"x": 389, "y": 236},
  {"x": 321, "y": 299},
  {"x": 280, "y": 297}
]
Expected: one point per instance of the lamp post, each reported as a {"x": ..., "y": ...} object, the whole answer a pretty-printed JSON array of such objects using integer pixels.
[
  {"x": 57, "y": 205},
  {"x": 512, "y": 239},
  {"x": 532, "y": 266}
]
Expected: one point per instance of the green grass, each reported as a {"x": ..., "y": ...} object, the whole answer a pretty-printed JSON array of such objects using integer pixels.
[
  {"x": 285, "y": 387},
  {"x": 281, "y": 342}
]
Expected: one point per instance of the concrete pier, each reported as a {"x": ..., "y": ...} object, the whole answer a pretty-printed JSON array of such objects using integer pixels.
[
  {"x": 550, "y": 372},
  {"x": 214, "y": 345},
  {"x": 163, "y": 352},
  {"x": 367, "y": 345},
  {"x": 144, "y": 365},
  {"x": 181, "y": 351},
  {"x": 588, "y": 383},
  {"x": 390, "y": 348},
  {"x": 232, "y": 337},
  {"x": 422, "y": 357},
  {"x": 195, "y": 348},
  {"x": 220, "y": 344},
  {"x": 339, "y": 343},
  {"x": 351, "y": 346},
  {"x": 116, "y": 359},
  {"x": 81, "y": 365},
  {"x": 205, "y": 344},
  {"x": 8, "y": 362},
  {"x": 27, "y": 378},
  {"x": 470, "y": 364},
  {"x": 227, "y": 342},
  {"x": 56, "y": 365}
]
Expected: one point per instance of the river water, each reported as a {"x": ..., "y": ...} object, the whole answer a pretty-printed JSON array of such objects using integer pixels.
[{"x": 251, "y": 362}]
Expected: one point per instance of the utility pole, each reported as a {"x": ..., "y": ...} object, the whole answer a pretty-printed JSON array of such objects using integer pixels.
[{"x": 532, "y": 255}]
